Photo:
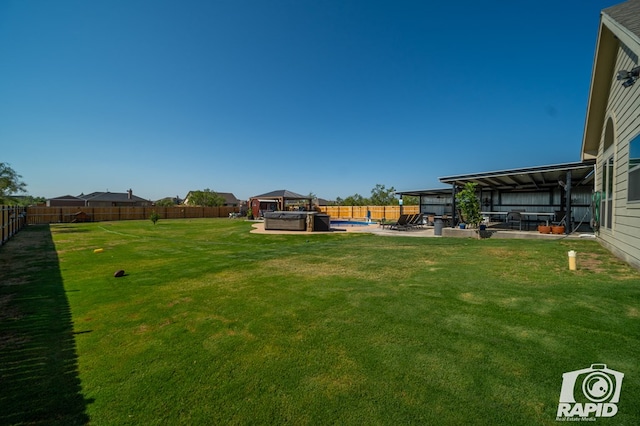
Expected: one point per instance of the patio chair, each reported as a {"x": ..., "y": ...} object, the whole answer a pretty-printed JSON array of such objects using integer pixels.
[{"x": 514, "y": 217}]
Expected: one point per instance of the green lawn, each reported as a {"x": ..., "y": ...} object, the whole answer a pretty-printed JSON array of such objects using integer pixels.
[{"x": 214, "y": 325}]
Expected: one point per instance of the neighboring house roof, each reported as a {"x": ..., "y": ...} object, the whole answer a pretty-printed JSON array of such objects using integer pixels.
[
  {"x": 627, "y": 14},
  {"x": 67, "y": 198},
  {"x": 283, "y": 193},
  {"x": 120, "y": 197},
  {"x": 618, "y": 24},
  {"x": 324, "y": 202},
  {"x": 229, "y": 198}
]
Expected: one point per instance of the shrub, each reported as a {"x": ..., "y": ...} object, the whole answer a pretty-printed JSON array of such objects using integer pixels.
[{"x": 154, "y": 217}]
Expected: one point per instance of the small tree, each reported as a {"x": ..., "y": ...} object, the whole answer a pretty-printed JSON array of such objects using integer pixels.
[
  {"x": 469, "y": 204},
  {"x": 154, "y": 217}
]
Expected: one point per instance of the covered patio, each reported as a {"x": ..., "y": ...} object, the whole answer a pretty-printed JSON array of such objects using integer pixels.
[{"x": 535, "y": 195}]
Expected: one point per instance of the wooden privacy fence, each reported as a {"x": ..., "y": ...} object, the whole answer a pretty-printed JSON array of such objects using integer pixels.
[
  {"x": 40, "y": 215},
  {"x": 360, "y": 212},
  {"x": 12, "y": 219}
]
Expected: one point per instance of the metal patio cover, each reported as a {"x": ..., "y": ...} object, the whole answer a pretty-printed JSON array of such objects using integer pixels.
[{"x": 529, "y": 178}]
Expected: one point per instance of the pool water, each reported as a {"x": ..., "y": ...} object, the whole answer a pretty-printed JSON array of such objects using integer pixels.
[{"x": 350, "y": 223}]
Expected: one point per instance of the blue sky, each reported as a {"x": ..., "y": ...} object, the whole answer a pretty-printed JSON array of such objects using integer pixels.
[{"x": 323, "y": 96}]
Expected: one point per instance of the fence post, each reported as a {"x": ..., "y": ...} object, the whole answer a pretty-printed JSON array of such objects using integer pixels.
[{"x": 14, "y": 220}]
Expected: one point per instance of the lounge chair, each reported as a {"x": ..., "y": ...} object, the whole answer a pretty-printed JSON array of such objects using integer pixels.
[
  {"x": 417, "y": 221},
  {"x": 401, "y": 223}
]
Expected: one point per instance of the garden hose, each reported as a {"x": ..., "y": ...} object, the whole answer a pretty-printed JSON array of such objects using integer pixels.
[{"x": 595, "y": 210}]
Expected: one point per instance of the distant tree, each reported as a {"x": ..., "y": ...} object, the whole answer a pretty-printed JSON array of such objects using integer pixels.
[
  {"x": 10, "y": 183},
  {"x": 381, "y": 196},
  {"x": 30, "y": 201},
  {"x": 206, "y": 198},
  {"x": 355, "y": 200},
  {"x": 165, "y": 202},
  {"x": 410, "y": 200}
]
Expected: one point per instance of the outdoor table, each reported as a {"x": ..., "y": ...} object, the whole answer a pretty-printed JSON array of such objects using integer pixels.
[
  {"x": 546, "y": 215},
  {"x": 489, "y": 214}
]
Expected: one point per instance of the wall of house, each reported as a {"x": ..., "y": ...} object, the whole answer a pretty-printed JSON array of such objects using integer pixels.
[
  {"x": 620, "y": 232},
  {"x": 56, "y": 202}
]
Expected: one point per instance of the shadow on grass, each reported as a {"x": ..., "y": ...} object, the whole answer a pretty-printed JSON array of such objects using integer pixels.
[{"x": 39, "y": 382}]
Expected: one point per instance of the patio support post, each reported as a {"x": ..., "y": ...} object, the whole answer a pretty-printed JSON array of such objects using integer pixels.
[
  {"x": 453, "y": 206},
  {"x": 568, "y": 222}
]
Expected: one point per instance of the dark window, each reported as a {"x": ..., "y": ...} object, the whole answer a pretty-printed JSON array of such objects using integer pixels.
[
  {"x": 634, "y": 169},
  {"x": 606, "y": 206}
]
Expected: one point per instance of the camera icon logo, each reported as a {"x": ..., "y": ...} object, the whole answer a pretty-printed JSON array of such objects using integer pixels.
[{"x": 590, "y": 392}]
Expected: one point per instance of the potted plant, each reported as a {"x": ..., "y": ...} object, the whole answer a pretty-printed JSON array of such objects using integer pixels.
[
  {"x": 544, "y": 229},
  {"x": 469, "y": 205}
]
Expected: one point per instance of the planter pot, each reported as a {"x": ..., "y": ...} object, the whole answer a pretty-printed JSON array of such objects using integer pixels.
[
  {"x": 557, "y": 229},
  {"x": 483, "y": 227},
  {"x": 544, "y": 229},
  {"x": 462, "y": 226}
]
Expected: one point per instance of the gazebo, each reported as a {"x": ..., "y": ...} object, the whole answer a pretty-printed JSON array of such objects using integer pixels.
[{"x": 280, "y": 200}]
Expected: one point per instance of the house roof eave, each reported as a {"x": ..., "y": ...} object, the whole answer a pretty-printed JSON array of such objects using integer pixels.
[{"x": 613, "y": 30}]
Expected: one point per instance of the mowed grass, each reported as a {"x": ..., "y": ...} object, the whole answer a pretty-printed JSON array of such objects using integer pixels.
[{"x": 215, "y": 325}]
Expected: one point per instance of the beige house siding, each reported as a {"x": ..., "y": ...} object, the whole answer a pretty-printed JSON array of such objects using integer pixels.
[{"x": 622, "y": 116}]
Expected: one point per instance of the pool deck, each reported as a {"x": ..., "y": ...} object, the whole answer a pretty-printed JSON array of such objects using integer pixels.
[{"x": 428, "y": 231}]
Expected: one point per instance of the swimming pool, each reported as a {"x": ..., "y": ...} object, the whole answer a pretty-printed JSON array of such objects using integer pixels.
[{"x": 350, "y": 223}]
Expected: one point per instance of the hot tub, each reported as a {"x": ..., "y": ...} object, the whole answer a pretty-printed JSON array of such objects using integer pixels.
[
  {"x": 285, "y": 221},
  {"x": 296, "y": 221}
]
